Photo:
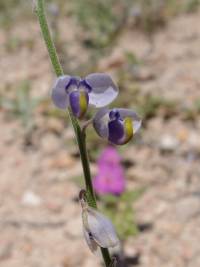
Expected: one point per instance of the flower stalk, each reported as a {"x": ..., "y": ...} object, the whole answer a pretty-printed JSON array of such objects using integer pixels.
[{"x": 79, "y": 133}]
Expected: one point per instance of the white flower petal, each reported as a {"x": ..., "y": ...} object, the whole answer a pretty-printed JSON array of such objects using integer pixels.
[
  {"x": 102, "y": 229},
  {"x": 59, "y": 94},
  {"x": 100, "y": 122},
  {"x": 103, "y": 92}
]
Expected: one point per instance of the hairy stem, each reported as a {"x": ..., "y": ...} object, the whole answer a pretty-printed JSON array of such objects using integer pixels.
[
  {"x": 81, "y": 139},
  {"x": 47, "y": 37},
  {"x": 79, "y": 133}
]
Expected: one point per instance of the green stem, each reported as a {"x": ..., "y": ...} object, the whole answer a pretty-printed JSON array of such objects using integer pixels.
[
  {"x": 81, "y": 139},
  {"x": 79, "y": 133},
  {"x": 47, "y": 37}
]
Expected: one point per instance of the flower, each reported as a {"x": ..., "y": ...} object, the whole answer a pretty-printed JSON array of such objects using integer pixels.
[
  {"x": 117, "y": 125},
  {"x": 110, "y": 178},
  {"x": 98, "y": 229},
  {"x": 109, "y": 156},
  {"x": 96, "y": 89}
]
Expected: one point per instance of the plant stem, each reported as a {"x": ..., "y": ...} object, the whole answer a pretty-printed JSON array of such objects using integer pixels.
[
  {"x": 79, "y": 133},
  {"x": 47, "y": 37},
  {"x": 81, "y": 139}
]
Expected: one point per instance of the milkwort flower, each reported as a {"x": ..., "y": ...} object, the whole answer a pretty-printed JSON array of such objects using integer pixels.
[
  {"x": 98, "y": 230},
  {"x": 117, "y": 125},
  {"x": 110, "y": 178},
  {"x": 96, "y": 89}
]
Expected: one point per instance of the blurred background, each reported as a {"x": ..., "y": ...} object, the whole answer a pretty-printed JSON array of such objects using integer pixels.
[{"x": 151, "y": 48}]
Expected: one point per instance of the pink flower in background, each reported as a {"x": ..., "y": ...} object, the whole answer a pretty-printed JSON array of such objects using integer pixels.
[{"x": 110, "y": 177}]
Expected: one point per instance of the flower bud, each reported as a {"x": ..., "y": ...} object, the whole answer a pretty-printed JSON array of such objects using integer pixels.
[{"x": 98, "y": 229}]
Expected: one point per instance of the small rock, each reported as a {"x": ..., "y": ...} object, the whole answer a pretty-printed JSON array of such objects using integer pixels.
[
  {"x": 31, "y": 199},
  {"x": 168, "y": 143}
]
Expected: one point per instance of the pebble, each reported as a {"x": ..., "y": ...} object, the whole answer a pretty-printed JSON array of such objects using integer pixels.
[
  {"x": 31, "y": 199},
  {"x": 168, "y": 143}
]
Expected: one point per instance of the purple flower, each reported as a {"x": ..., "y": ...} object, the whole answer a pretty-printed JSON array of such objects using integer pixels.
[
  {"x": 116, "y": 125},
  {"x": 110, "y": 178},
  {"x": 96, "y": 89}
]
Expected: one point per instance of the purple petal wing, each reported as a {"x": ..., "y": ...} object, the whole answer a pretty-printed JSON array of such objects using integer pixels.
[
  {"x": 100, "y": 122},
  {"x": 103, "y": 92},
  {"x": 59, "y": 94}
]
